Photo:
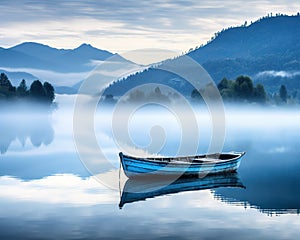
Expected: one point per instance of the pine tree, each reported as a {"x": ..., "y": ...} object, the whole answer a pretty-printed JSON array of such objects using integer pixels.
[
  {"x": 260, "y": 95},
  {"x": 37, "y": 90},
  {"x": 22, "y": 89},
  {"x": 283, "y": 93},
  {"x": 49, "y": 90},
  {"x": 4, "y": 82}
]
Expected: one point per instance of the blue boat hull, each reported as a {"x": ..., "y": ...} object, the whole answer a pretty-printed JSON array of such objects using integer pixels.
[{"x": 192, "y": 165}]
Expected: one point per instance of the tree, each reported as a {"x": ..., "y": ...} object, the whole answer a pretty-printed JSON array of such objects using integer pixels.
[
  {"x": 223, "y": 84},
  {"x": 49, "y": 92},
  {"x": 43, "y": 93},
  {"x": 195, "y": 94},
  {"x": 37, "y": 90},
  {"x": 157, "y": 95},
  {"x": 4, "y": 82},
  {"x": 259, "y": 93},
  {"x": 243, "y": 88},
  {"x": 283, "y": 93},
  {"x": 7, "y": 90},
  {"x": 22, "y": 89},
  {"x": 157, "y": 91},
  {"x": 109, "y": 99},
  {"x": 227, "y": 94},
  {"x": 136, "y": 96}
]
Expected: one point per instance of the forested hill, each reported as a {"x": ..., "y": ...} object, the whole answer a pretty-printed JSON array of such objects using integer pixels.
[
  {"x": 271, "y": 36},
  {"x": 267, "y": 50}
]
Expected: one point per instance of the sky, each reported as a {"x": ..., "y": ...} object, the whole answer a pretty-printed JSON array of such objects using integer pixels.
[{"x": 120, "y": 26}]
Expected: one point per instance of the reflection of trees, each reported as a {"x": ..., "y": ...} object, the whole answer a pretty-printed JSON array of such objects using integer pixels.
[
  {"x": 37, "y": 129},
  {"x": 273, "y": 189}
]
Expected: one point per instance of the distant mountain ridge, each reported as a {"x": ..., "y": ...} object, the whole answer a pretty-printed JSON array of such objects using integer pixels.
[
  {"x": 64, "y": 68},
  {"x": 40, "y": 56}
]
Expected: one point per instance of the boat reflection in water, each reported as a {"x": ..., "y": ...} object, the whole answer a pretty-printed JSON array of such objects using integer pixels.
[{"x": 139, "y": 189}]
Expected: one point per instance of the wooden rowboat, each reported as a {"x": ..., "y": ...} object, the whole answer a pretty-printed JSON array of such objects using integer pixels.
[{"x": 186, "y": 166}]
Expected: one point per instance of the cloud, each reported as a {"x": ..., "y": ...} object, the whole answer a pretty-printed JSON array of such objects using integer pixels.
[
  {"x": 122, "y": 25},
  {"x": 56, "y": 78},
  {"x": 282, "y": 74},
  {"x": 57, "y": 189}
]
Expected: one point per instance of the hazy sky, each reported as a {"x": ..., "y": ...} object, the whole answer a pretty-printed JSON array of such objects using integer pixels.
[{"x": 118, "y": 26}]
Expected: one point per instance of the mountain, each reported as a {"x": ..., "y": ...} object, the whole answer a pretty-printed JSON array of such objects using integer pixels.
[
  {"x": 270, "y": 44},
  {"x": 267, "y": 50},
  {"x": 38, "y": 56},
  {"x": 82, "y": 57},
  {"x": 38, "y": 50},
  {"x": 87, "y": 51},
  {"x": 10, "y": 58},
  {"x": 62, "y": 67},
  {"x": 268, "y": 36}
]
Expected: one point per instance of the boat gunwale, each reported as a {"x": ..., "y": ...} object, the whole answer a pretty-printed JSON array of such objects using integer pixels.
[{"x": 193, "y": 161}]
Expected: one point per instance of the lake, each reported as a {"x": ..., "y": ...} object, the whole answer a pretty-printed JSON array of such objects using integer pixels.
[{"x": 49, "y": 191}]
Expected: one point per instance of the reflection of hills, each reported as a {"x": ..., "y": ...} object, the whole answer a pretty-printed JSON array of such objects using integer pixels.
[
  {"x": 32, "y": 129},
  {"x": 36, "y": 128},
  {"x": 142, "y": 188},
  {"x": 272, "y": 185}
]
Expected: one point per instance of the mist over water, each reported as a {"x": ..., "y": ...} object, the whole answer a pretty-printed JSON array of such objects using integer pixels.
[
  {"x": 246, "y": 129},
  {"x": 43, "y": 180}
]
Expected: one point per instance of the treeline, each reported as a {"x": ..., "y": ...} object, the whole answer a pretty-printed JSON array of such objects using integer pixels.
[
  {"x": 242, "y": 90},
  {"x": 37, "y": 92}
]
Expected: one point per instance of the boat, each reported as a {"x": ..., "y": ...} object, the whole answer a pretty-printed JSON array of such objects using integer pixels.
[
  {"x": 140, "y": 189},
  {"x": 187, "y": 166}
]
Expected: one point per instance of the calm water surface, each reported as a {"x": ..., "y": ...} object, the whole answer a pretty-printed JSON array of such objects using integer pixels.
[{"x": 47, "y": 193}]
